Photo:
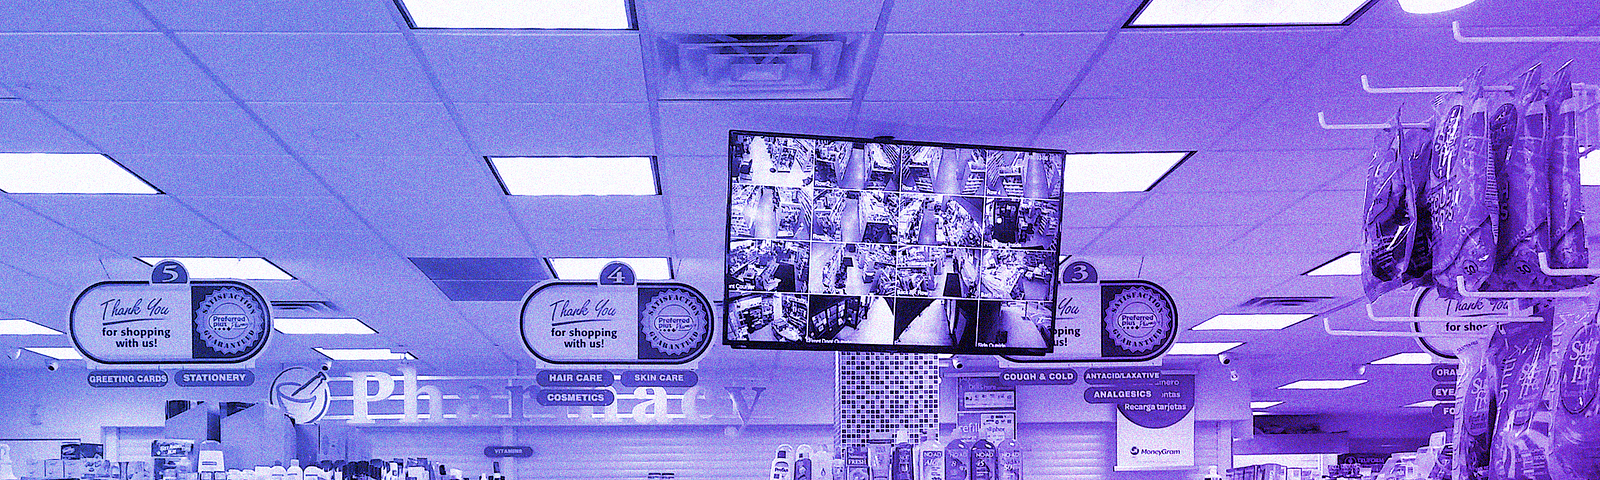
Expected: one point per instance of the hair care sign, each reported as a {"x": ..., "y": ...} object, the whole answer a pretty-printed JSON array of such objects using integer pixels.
[
  {"x": 615, "y": 321},
  {"x": 170, "y": 320},
  {"x": 1155, "y": 420}
]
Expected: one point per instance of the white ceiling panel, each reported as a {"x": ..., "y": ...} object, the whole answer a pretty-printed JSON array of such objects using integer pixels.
[
  {"x": 1583, "y": 67},
  {"x": 444, "y": 226},
  {"x": 224, "y": 175},
  {"x": 165, "y": 128},
  {"x": 696, "y": 189},
  {"x": 1164, "y": 240},
  {"x": 1384, "y": 14},
  {"x": 1010, "y": 66},
  {"x": 1008, "y": 123},
  {"x": 1337, "y": 286},
  {"x": 377, "y": 67},
  {"x": 1173, "y": 209},
  {"x": 129, "y": 66},
  {"x": 758, "y": 16},
  {"x": 1328, "y": 240},
  {"x": 316, "y": 249},
  {"x": 299, "y": 214},
  {"x": 274, "y": 15},
  {"x": 1337, "y": 207},
  {"x": 1080, "y": 210},
  {"x": 164, "y": 226},
  {"x": 414, "y": 129},
  {"x": 596, "y": 129},
  {"x": 1143, "y": 124},
  {"x": 611, "y": 242},
  {"x": 1396, "y": 58},
  {"x": 1198, "y": 299},
  {"x": 454, "y": 176},
  {"x": 28, "y": 131},
  {"x": 38, "y": 299},
  {"x": 544, "y": 215},
  {"x": 587, "y": 67},
  {"x": 1203, "y": 63},
  {"x": 1009, "y": 15},
  {"x": 1073, "y": 240},
  {"x": 41, "y": 245},
  {"x": 700, "y": 243},
  {"x": 1245, "y": 171},
  {"x": 701, "y": 127},
  {"x": 1290, "y": 121},
  {"x": 71, "y": 16}
]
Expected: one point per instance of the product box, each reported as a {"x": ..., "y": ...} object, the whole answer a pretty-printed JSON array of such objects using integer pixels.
[{"x": 76, "y": 451}]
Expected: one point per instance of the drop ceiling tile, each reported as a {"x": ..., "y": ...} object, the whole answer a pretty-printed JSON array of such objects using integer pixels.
[
  {"x": 759, "y": 16},
  {"x": 413, "y": 129},
  {"x": 36, "y": 243},
  {"x": 701, "y": 127},
  {"x": 297, "y": 214},
  {"x": 1327, "y": 240},
  {"x": 552, "y": 68},
  {"x": 444, "y": 226},
  {"x": 1199, "y": 299},
  {"x": 275, "y": 16},
  {"x": 1143, "y": 124},
  {"x": 1197, "y": 63},
  {"x": 1009, "y": 16},
  {"x": 597, "y": 129},
  {"x": 1080, "y": 210},
  {"x": 604, "y": 242},
  {"x": 700, "y": 243},
  {"x": 1339, "y": 207},
  {"x": 1010, "y": 66},
  {"x": 1290, "y": 121},
  {"x": 225, "y": 175},
  {"x": 1164, "y": 240},
  {"x": 322, "y": 250},
  {"x": 1008, "y": 123},
  {"x": 696, "y": 190},
  {"x": 165, "y": 128},
  {"x": 452, "y": 176},
  {"x": 375, "y": 67},
  {"x": 1483, "y": 13},
  {"x": 29, "y": 131},
  {"x": 1073, "y": 240},
  {"x": 1579, "y": 54},
  {"x": 571, "y": 214},
  {"x": 1253, "y": 265},
  {"x": 152, "y": 225},
  {"x": 1244, "y": 171},
  {"x": 1174, "y": 209},
  {"x": 1407, "y": 57},
  {"x": 1335, "y": 286},
  {"x": 122, "y": 66},
  {"x": 71, "y": 16}
]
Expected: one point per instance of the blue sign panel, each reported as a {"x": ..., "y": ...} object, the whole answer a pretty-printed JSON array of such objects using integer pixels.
[
  {"x": 661, "y": 378},
  {"x": 576, "y": 398},
  {"x": 215, "y": 378},
  {"x": 128, "y": 378},
  {"x": 575, "y": 378}
]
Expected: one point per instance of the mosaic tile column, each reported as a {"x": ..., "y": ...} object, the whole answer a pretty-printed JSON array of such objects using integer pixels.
[{"x": 881, "y": 393}]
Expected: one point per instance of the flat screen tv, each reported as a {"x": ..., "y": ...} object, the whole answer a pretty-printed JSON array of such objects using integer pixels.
[{"x": 840, "y": 243}]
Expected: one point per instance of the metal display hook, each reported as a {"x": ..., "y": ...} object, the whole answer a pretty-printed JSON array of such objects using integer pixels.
[
  {"x": 1322, "y": 119},
  {"x": 1455, "y": 28}
]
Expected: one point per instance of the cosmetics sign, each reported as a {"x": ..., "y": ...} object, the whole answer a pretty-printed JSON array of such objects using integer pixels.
[
  {"x": 170, "y": 320},
  {"x": 615, "y": 321},
  {"x": 1107, "y": 321}
]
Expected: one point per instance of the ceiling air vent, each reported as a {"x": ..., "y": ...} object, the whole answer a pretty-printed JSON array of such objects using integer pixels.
[
  {"x": 723, "y": 67},
  {"x": 304, "y": 306},
  {"x": 1296, "y": 304}
]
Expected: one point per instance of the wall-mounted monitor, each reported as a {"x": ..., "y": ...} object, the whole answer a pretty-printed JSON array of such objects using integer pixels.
[{"x": 884, "y": 245}]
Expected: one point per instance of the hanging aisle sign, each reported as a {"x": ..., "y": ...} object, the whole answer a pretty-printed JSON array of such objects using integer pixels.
[
  {"x": 615, "y": 321},
  {"x": 170, "y": 320},
  {"x": 1108, "y": 321},
  {"x": 1155, "y": 421}
]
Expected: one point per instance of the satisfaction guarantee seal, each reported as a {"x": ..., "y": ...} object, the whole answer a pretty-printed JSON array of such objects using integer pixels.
[
  {"x": 230, "y": 320},
  {"x": 1138, "y": 319},
  {"x": 675, "y": 321}
]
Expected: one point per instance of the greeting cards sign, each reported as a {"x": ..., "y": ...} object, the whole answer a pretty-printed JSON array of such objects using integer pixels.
[
  {"x": 615, "y": 321},
  {"x": 170, "y": 320}
]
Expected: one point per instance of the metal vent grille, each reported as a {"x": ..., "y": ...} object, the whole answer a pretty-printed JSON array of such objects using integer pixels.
[
  {"x": 1292, "y": 304},
  {"x": 304, "y": 306},
  {"x": 758, "y": 66},
  {"x": 881, "y": 393}
]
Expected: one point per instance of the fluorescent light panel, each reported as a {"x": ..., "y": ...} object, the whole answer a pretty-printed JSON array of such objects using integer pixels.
[
  {"x": 1424, "y": 7},
  {"x": 1411, "y": 358},
  {"x": 23, "y": 327},
  {"x": 1322, "y": 384},
  {"x": 1262, "y": 321},
  {"x": 1118, "y": 172},
  {"x": 1177, "y": 13},
  {"x": 575, "y": 268},
  {"x": 1424, "y": 404},
  {"x": 247, "y": 268},
  {"x": 355, "y": 354},
  {"x": 1347, "y": 264},
  {"x": 322, "y": 326},
  {"x": 567, "y": 176},
  {"x": 1202, "y": 348},
  {"x": 83, "y": 173},
  {"x": 1589, "y": 168},
  {"x": 58, "y": 353},
  {"x": 519, "y": 14},
  {"x": 1255, "y": 405}
]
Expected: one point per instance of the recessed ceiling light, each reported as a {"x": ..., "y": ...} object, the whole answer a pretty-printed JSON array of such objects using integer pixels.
[
  {"x": 554, "y": 176},
  {"x": 321, "y": 326},
  {"x": 521, "y": 14},
  {"x": 1118, "y": 172},
  {"x": 58, "y": 353},
  {"x": 248, "y": 268},
  {"x": 1424, "y": 7},
  {"x": 1346, "y": 264},
  {"x": 1255, "y": 405},
  {"x": 86, "y": 173},
  {"x": 1202, "y": 348},
  {"x": 1322, "y": 384},
  {"x": 23, "y": 327},
  {"x": 1190, "y": 13},
  {"x": 1252, "y": 321},
  {"x": 1589, "y": 168},
  {"x": 1260, "y": 413},
  {"x": 576, "y": 268},
  {"x": 1424, "y": 404},
  {"x": 354, "y": 354},
  {"x": 1412, "y": 358}
]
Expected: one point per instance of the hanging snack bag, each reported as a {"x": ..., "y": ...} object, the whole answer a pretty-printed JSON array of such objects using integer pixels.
[
  {"x": 1418, "y": 144},
  {"x": 1567, "y": 241},
  {"x": 1575, "y": 429},
  {"x": 1522, "y": 427},
  {"x": 1524, "y": 170},
  {"x": 1389, "y": 220},
  {"x": 1475, "y": 403},
  {"x": 1461, "y": 193}
]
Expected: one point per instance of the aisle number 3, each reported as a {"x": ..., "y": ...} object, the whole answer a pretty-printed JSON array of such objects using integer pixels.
[{"x": 1080, "y": 272}]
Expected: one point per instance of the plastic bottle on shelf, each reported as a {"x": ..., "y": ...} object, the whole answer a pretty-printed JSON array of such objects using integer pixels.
[
  {"x": 1008, "y": 456},
  {"x": 929, "y": 461},
  {"x": 956, "y": 455},
  {"x": 802, "y": 463},
  {"x": 982, "y": 464},
  {"x": 294, "y": 472},
  {"x": 781, "y": 469},
  {"x": 901, "y": 457}
]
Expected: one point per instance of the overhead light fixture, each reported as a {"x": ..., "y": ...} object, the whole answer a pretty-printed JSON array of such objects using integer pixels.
[
  {"x": 1253, "y": 321},
  {"x": 321, "y": 326},
  {"x": 1589, "y": 168},
  {"x": 58, "y": 353},
  {"x": 1242, "y": 13},
  {"x": 1322, "y": 384},
  {"x": 1260, "y": 405},
  {"x": 1424, "y": 7},
  {"x": 1202, "y": 348},
  {"x": 1411, "y": 358},
  {"x": 1346, "y": 264},
  {"x": 1257, "y": 414},
  {"x": 24, "y": 327},
  {"x": 521, "y": 14},
  {"x": 358, "y": 354},
  {"x": 580, "y": 268},
  {"x": 1119, "y": 172},
  {"x": 558, "y": 176},
  {"x": 1424, "y": 404},
  {"x": 246, "y": 268},
  {"x": 79, "y": 173}
]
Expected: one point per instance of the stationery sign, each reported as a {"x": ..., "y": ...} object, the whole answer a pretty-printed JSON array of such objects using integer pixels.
[
  {"x": 170, "y": 320},
  {"x": 615, "y": 321},
  {"x": 1108, "y": 321}
]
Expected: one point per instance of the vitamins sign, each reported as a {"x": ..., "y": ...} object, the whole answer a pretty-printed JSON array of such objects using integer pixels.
[{"x": 170, "y": 320}]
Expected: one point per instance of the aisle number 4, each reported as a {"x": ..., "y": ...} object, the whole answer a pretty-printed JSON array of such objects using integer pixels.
[{"x": 617, "y": 273}]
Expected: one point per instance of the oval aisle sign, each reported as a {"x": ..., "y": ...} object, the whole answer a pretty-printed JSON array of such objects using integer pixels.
[
  {"x": 619, "y": 322},
  {"x": 174, "y": 321}
]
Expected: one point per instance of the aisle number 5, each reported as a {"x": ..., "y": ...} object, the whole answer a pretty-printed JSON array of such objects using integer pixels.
[{"x": 169, "y": 271}]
